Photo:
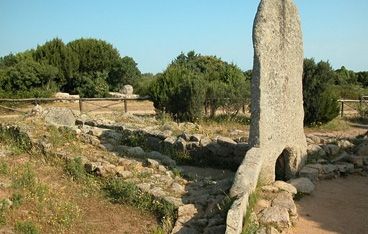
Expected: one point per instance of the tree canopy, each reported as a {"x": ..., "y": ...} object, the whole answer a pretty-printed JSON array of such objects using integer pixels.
[{"x": 88, "y": 67}]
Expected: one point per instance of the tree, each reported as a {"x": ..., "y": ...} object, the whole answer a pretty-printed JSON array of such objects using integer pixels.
[
  {"x": 124, "y": 72},
  {"x": 320, "y": 103},
  {"x": 94, "y": 55},
  {"x": 345, "y": 76},
  {"x": 222, "y": 85},
  {"x": 92, "y": 85},
  {"x": 57, "y": 54},
  {"x": 27, "y": 75}
]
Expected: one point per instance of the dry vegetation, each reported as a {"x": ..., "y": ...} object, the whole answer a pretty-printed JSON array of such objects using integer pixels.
[{"x": 46, "y": 195}]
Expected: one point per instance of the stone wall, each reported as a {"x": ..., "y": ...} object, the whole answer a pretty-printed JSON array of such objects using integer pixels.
[{"x": 196, "y": 149}]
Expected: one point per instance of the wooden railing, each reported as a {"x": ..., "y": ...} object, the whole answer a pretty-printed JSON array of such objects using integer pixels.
[
  {"x": 348, "y": 102},
  {"x": 81, "y": 101}
]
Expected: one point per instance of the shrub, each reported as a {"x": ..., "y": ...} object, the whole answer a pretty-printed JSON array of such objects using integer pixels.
[
  {"x": 193, "y": 81},
  {"x": 320, "y": 102},
  {"x": 75, "y": 169}
]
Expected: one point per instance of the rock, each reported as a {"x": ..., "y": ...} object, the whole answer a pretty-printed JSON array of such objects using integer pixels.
[
  {"x": 345, "y": 144},
  {"x": 345, "y": 167},
  {"x": 91, "y": 167},
  {"x": 341, "y": 158},
  {"x": 107, "y": 147},
  {"x": 269, "y": 189},
  {"x": 152, "y": 163},
  {"x": 328, "y": 168},
  {"x": 362, "y": 149},
  {"x": 178, "y": 188},
  {"x": 136, "y": 151},
  {"x": 59, "y": 116},
  {"x": 167, "y": 180},
  {"x": 205, "y": 141},
  {"x": 186, "y": 212},
  {"x": 225, "y": 141},
  {"x": 314, "y": 139},
  {"x": 241, "y": 149},
  {"x": 215, "y": 230},
  {"x": 285, "y": 200},
  {"x": 358, "y": 161},
  {"x": 277, "y": 217},
  {"x": 127, "y": 90},
  {"x": 166, "y": 160},
  {"x": 175, "y": 201},
  {"x": 196, "y": 137},
  {"x": 162, "y": 168},
  {"x": 315, "y": 150},
  {"x": 153, "y": 143},
  {"x": 285, "y": 187},
  {"x": 157, "y": 192},
  {"x": 331, "y": 149},
  {"x": 180, "y": 229},
  {"x": 145, "y": 187},
  {"x": 261, "y": 205},
  {"x": 310, "y": 173},
  {"x": 302, "y": 185},
  {"x": 180, "y": 144},
  {"x": 121, "y": 172},
  {"x": 37, "y": 110}
]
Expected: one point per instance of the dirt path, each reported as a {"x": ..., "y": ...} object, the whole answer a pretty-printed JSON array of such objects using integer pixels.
[{"x": 336, "y": 206}]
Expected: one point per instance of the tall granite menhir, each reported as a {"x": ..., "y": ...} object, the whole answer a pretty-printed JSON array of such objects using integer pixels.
[{"x": 276, "y": 134}]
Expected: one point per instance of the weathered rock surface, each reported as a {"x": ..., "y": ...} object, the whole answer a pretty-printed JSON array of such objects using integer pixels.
[
  {"x": 303, "y": 185},
  {"x": 59, "y": 116}
]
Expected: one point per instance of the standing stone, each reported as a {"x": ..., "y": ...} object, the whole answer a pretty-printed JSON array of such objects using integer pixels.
[
  {"x": 277, "y": 95},
  {"x": 276, "y": 134}
]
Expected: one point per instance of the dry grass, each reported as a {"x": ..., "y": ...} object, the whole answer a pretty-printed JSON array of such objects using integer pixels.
[{"x": 47, "y": 200}]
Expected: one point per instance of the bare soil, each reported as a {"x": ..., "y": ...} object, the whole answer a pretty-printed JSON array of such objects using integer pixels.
[{"x": 336, "y": 206}]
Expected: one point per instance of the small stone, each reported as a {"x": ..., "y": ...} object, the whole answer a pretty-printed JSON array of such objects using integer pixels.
[
  {"x": 152, "y": 163},
  {"x": 275, "y": 216},
  {"x": 225, "y": 141},
  {"x": 285, "y": 187},
  {"x": 261, "y": 205},
  {"x": 269, "y": 189},
  {"x": 328, "y": 168},
  {"x": 157, "y": 192},
  {"x": 302, "y": 185},
  {"x": 136, "y": 151},
  {"x": 121, "y": 172},
  {"x": 196, "y": 137},
  {"x": 345, "y": 144},
  {"x": 285, "y": 200},
  {"x": 162, "y": 168},
  {"x": 145, "y": 187},
  {"x": 175, "y": 201},
  {"x": 178, "y": 188},
  {"x": 310, "y": 173}
]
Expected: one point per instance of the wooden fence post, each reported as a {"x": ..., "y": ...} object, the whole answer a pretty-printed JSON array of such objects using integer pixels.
[
  {"x": 125, "y": 106},
  {"x": 80, "y": 105},
  {"x": 342, "y": 108}
]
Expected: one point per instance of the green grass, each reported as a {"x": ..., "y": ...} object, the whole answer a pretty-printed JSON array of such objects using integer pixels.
[
  {"x": 60, "y": 136},
  {"x": 26, "y": 227},
  {"x": 250, "y": 227},
  {"x": 122, "y": 192},
  {"x": 16, "y": 141},
  {"x": 75, "y": 169},
  {"x": 337, "y": 124}
]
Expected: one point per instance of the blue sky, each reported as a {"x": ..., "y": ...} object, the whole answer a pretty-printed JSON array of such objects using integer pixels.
[{"x": 154, "y": 32}]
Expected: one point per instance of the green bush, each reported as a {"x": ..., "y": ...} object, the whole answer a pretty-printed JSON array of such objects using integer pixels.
[
  {"x": 320, "y": 102},
  {"x": 75, "y": 169},
  {"x": 193, "y": 82}
]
